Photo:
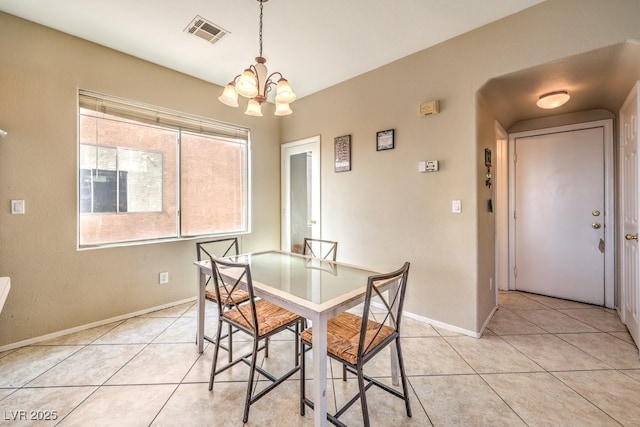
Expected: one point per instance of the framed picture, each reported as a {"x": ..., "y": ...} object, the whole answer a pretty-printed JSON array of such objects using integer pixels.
[
  {"x": 342, "y": 153},
  {"x": 384, "y": 140}
]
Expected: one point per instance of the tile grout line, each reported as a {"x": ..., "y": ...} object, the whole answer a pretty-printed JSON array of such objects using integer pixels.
[{"x": 121, "y": 367}]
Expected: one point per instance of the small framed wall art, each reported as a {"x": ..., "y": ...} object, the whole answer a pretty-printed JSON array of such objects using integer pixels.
[
  {"x": 487, "y": 157},
  {"x": 342, "y": 153},
  {"x": 487, "y": 163},
  {"x": 385, "y": 140}
]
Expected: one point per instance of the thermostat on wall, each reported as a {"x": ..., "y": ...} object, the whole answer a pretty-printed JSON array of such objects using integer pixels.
[
  {"x": 428, "y": 108},
  {"x": 428, "y": 166}
]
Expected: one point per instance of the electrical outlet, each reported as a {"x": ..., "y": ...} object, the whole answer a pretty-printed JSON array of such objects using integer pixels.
[{"x": 163, "y": 277}]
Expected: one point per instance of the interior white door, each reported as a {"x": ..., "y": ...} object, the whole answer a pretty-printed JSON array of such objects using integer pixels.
[
  {"x": 300, "y": 183},
  {"x": 559, "y": 215},
  {"x": 630, "y": 301}
]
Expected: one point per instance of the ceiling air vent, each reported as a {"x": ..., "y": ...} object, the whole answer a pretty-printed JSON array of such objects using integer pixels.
[{"x": 205, "y": 30}]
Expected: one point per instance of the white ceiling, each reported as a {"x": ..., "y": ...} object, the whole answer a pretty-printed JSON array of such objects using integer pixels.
[{"x": 315, "y": 44}]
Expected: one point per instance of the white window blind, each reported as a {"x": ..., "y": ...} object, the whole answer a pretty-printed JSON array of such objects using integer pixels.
[{"x": 147, "y": 173}]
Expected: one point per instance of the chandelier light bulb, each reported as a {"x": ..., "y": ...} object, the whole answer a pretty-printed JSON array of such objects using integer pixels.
[
  {"x": 247, "y": 85},
  {"x": 282, "y": 109},
  {"x": 253, "y": 108},
  {"x": 284, "y": 93},
  {"x": 229, "y": 95}
]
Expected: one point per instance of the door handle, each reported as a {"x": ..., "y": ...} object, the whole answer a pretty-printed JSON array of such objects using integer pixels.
[
  {"x": 596, "y": 225},
  {"x": 630, "y": 236}
]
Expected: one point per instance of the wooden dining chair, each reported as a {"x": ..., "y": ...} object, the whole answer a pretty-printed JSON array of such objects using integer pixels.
[
  {"x": 318, "y": 248},
  {"x": 258, "y": 318},
  {"x": 354, "y": 340},
  {"x": 221, "y": 248}
]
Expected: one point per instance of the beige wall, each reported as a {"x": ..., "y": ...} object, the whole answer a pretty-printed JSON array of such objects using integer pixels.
[
  {"x": 382, "y": 212},
  {"x": 54, "y": 286}
]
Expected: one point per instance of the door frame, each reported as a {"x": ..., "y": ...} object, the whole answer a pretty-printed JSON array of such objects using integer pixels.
[
  {"x": 501, "y": 208},
  {"x": 307, "y": 144},
  {"x": 609, "y": 218},
  {"x": 632, "y": 97}
]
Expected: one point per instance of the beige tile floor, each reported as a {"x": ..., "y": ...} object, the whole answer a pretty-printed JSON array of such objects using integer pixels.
[{"x": 542, "y": 361}]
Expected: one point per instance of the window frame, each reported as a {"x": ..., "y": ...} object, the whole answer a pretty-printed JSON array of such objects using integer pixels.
[{"x": 175, "y": 121}]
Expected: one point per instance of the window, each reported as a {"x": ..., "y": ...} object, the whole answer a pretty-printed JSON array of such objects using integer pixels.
[
  {"x": 147, "y": 174},
  {"x": 119, "y": 180}
]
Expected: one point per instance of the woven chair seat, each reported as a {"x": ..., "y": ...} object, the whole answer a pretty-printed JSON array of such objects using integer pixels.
[
  {"x": 343, "y": 335},
  {"x": 238, "y": 296},
  {"x": 270, "y": 316}
]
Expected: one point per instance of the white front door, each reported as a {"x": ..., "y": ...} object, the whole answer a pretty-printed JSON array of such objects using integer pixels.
[
  {"x": 630, "y": 301},
  {"x": 560, "y": 213},
  {"x": 300, "y": 183}
]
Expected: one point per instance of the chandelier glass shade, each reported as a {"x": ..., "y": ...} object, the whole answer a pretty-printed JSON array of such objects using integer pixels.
[{"x": 255, "y": 83}]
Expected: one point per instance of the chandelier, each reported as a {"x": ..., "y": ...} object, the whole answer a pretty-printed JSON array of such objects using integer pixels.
[{"x": 255, "y": 83}]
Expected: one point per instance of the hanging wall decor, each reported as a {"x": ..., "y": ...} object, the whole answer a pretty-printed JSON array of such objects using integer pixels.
[
  {"x": 385, "y": 140},
  {"x": 342, "y": 153}
]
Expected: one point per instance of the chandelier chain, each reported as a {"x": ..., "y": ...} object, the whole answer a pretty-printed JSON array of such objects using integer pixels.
[{"x": 260, "y": 33}]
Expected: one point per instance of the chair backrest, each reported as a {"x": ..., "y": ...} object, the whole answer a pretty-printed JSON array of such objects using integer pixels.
[
  {"x": 374, "y": 336},
  {"x": 233, "y": 276},
  {"x": 318, "y": 248},
  {"x": 226, "y": 246}
]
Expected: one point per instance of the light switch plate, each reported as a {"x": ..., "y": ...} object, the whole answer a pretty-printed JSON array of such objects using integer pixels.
[
  {"x": 163, "y": 277},
  {"x": 456, "y": 206},
  {"x": 17, "y": 207}
]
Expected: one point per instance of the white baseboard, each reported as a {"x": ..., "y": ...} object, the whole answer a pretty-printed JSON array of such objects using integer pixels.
[
  {"x": 53, "y": 335},
  {"x": 92, "y": 325},
  {"x": 447, "y": 326},
  {"x": 443, "y": 325},
  {"x": 489, "y": 317}
]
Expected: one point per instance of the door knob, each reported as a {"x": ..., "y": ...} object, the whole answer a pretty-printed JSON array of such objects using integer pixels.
[
  {"x": 630, "y": 236},
  {"x": 596, "y": 225}
]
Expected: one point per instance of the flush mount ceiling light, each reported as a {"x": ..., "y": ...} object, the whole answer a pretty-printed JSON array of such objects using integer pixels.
[
  {"x": 552, "y": 100},
  {"x": 255, "y": 83}
]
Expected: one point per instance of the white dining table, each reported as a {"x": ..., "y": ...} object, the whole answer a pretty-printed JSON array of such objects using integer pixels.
[{"x": 314, "y": 288}]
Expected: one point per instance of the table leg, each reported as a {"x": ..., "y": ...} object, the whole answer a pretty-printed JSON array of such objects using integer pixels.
[
  {"x": 320, "y": 370},
  {"x": 202, "y": 280}
]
